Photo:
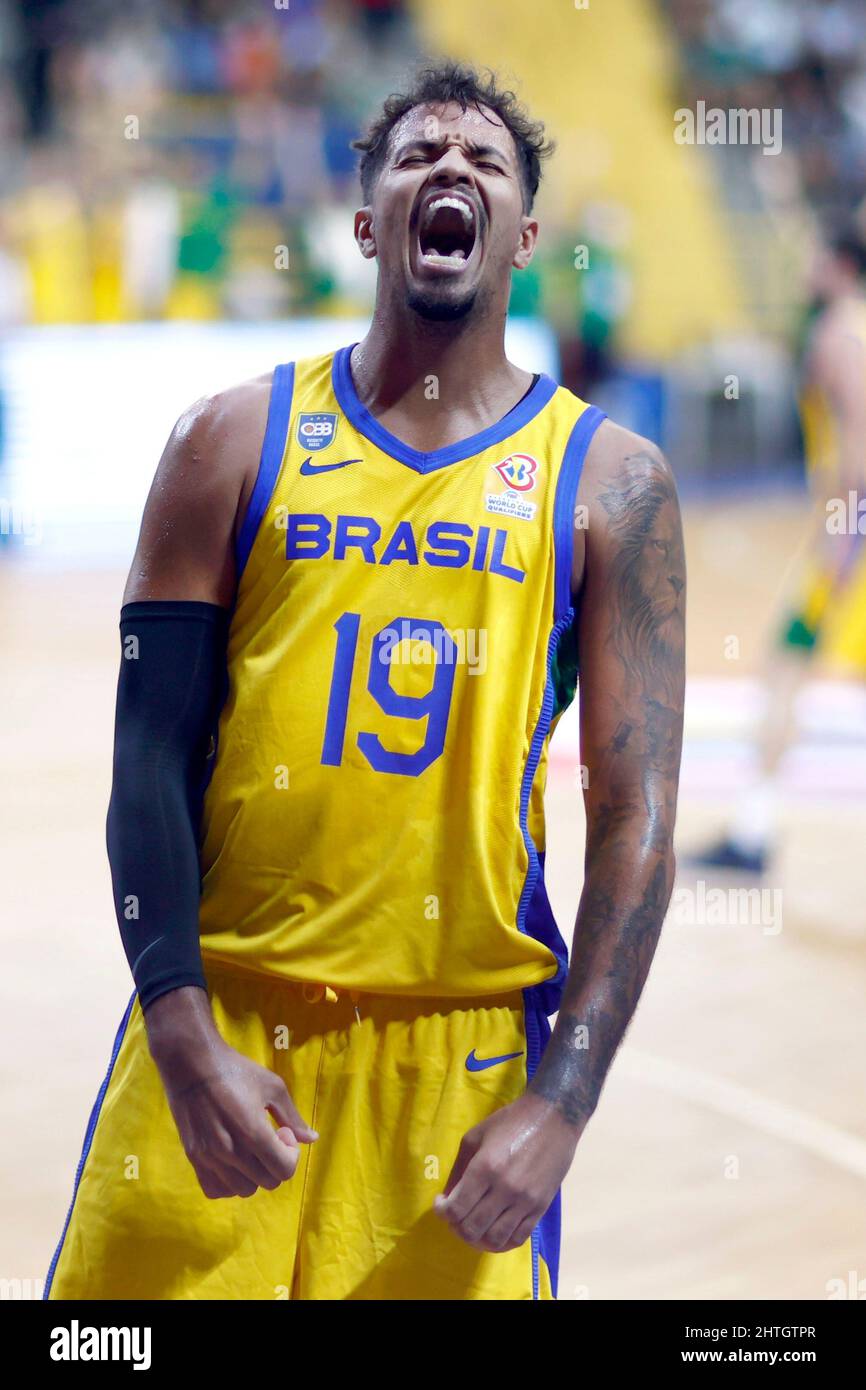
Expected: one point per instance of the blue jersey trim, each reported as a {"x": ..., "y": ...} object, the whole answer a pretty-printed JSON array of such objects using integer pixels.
[
  {"x": 273, "y": 448},
  {"x": 366, "y": 424},
  {"x": 544, "y": 998},
  {"x": 548, "y": 991},
  {"x": 88, "y": 1140},
  {"x": 565, "y": 502},
  {"x": 545, "y": 1238}
]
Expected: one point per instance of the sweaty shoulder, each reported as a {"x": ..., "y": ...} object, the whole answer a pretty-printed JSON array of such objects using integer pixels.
[
  {"x": 219, "y": 438},
  {"x": 620, "y": 467},
  {"x": 199, "y": 496}
]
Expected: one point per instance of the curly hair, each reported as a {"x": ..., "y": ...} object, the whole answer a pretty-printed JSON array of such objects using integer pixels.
[{"x": 449, "y": 81}]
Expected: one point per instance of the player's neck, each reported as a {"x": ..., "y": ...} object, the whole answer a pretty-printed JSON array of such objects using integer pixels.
[{"x": 399, "y": 370}]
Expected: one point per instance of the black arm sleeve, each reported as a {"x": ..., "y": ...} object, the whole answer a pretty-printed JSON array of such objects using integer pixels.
[{"x": 171, "y": 686}]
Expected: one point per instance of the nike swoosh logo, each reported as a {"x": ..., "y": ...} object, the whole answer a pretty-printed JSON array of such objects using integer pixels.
[
  {"x": 474, "y": 1063},
  {"x": 308, "y": 469},
  {"x": 140, "y": 958}
]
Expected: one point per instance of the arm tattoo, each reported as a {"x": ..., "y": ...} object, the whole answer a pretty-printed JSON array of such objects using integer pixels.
[
  {"x": 575, "y": 1064},
  {"x": 648, "y": 574},
  {"x": 629, "y": 859}
]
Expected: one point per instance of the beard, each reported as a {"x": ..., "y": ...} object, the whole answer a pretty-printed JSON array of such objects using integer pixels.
[{"x": 428, "y": 305}]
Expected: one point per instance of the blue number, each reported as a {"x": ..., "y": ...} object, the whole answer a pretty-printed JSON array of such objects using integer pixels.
[
  {"x": 434, "y": 706},
  {"x": 338, "y": 704}
]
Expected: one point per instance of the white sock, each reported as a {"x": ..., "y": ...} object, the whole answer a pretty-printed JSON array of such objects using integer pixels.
[{"x": 753, "y": 823}]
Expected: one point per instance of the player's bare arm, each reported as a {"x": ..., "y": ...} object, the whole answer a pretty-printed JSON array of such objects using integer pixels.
[
  {"x": 632, "y": 687},
  {"x": 220, "y": 1099},
  {"x": 835, "y": 367},
  {"x": 629, "y": 576}
]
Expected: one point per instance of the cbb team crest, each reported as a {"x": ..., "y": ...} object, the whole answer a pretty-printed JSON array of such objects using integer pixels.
[
  {"x": 317, "y": 431},
  {"x": 518, "y": 472}
]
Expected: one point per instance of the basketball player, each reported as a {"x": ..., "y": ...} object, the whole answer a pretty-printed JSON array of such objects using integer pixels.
[
  {"x": 378, "y": 568},
  {"x": 829, "y": 615}
]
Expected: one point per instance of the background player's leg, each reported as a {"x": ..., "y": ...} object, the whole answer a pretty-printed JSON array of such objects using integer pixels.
[
  {"x": 754, "y": 824},
  {"x": 751, "y": 833}
]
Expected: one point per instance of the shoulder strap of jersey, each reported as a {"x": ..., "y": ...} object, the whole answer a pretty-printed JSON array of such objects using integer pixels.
[
  {"x": 273, "y": 448},
  {"x": 564, "y": 505}
]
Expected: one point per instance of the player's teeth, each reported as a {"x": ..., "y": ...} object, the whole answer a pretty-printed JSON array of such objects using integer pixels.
[{"x": 456, "y": 203}]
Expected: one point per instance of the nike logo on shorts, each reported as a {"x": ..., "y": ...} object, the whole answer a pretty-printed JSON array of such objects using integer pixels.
[
  {"x": 308, "y": 469},
  {"x": 474, "y": 1063}
]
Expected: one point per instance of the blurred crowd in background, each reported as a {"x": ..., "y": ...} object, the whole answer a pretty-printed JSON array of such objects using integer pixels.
[
  {"x": 157, "y": 157},
  {"x": 804, "y": 57},
  {"x": 164, "y": 158},
  {"x": 158, "y": 152}
]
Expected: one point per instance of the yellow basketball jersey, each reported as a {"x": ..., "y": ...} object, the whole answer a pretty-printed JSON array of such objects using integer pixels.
[{"x": 401, "y": 644}]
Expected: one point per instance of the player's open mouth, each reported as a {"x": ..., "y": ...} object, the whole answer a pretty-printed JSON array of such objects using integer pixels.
[{"x": 447, "y": 231}]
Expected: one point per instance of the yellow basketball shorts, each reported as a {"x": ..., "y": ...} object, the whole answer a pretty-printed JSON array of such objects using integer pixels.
[
  {"x": 831, "y": 615},
  {"x": 391, "y": 1092}
]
